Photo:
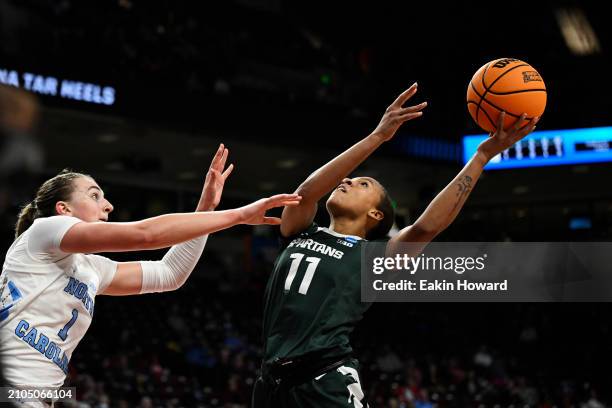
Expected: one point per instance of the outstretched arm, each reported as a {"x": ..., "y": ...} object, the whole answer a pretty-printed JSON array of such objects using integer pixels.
[
  {"x": 323, "y": 180},
  {"x": 443, "y": 210},
  {"x": 174, "y": 269},
  {"x": 166, "y": 230}
]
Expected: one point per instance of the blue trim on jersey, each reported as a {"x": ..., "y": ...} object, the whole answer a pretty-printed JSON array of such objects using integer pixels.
[
  {"x": 16, "y": 295},
  {"x": 15, "y": 292},
  {"x": 4, "y": 312}
]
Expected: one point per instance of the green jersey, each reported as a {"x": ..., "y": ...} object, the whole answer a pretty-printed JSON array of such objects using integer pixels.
[{"x": 313, "y": 297}]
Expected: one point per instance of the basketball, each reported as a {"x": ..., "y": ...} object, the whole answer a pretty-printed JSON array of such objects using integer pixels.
[{"x": 509, "y": 85}]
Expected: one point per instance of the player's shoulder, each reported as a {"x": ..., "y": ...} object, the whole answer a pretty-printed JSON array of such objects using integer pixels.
[
  {"x": 55, "y": 221},
  {"x": 309, "y": 231},
  {"x": 312, "y": 229},
  {"x": 54, "y": 218}
]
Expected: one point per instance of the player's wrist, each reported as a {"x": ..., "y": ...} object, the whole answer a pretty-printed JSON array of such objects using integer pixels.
[
  {"x": 240, "y": 215},
  {"x": 379, "y": 137},
  {"x": 482, "y": 157}
]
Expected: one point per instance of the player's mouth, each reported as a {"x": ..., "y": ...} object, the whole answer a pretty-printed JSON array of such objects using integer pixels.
[{"x": 342, "y": 188}]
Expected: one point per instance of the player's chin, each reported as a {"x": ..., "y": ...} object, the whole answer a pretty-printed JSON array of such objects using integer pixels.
[
  {"x": 335, "y": 197},
  {"x": 337, "y": 201}
]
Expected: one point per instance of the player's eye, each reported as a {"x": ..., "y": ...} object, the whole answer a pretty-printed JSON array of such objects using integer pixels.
[
  {"x": 364, "y": 183},
  {"x": 95, "y": 196}
]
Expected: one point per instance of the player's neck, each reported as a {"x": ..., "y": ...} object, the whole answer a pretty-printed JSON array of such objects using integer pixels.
[{"x": 346, "y": 226}]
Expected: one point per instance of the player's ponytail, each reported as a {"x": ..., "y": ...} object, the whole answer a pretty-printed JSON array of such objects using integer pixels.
[
  {"x": 26, "y": 218},
  {"x": 58, "y": 188}
]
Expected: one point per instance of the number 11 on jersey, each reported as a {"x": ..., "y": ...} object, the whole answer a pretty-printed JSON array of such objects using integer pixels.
[{"x": 312, "y": 261}]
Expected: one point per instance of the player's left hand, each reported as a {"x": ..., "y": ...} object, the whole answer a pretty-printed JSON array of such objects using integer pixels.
[
  {"x": 396, "y": 114},
  {"x": 215, "y": 180},
  {"x": 255, "y": 213},
  {"x": 502, "y": 139}
]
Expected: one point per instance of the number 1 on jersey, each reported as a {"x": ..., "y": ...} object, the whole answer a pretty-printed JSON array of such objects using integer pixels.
[
  {"x": 63, "y": 334},
  {"x": 313, "y": 262}
]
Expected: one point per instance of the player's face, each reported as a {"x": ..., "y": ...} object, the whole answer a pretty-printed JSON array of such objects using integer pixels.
[
  {"x": 87, "y": 201},
  {"x": 356, "y": 196}
]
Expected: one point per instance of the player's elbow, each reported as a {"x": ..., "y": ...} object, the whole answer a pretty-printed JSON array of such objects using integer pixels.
[
  {"x": 176, "y": 278},
  {"x": 178, "y": 284},
  {"x": 426, "y": 231},
  {"x": 288, "y": 230},
  {"x": 309, "y": 189},
  {"x": 303, "y": 190}
]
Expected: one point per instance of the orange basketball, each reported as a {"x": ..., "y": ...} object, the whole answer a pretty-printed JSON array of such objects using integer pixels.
[{"x": 509, "y": 85}]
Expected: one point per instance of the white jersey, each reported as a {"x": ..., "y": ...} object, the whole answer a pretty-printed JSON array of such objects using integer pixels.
[{"x": 46, "y": 303}]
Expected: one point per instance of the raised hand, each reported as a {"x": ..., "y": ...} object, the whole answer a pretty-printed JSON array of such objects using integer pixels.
[
  {"x": 215, "y": 180},
  {"x": 502, "y": 138},
  {"x": 396, "y": 115},
  {"x": 255, "y": 213}
]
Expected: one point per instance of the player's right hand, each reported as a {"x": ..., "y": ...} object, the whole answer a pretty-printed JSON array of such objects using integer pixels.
[
  {"x": 396, "y": 115},
  {"x": 215, "y": 180},
  {"x": 502, "y": 139},
  {"x": 255, "y": 213}
]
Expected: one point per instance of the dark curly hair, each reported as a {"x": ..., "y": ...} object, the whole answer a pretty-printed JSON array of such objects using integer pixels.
[{"x": 383, "y": 227}]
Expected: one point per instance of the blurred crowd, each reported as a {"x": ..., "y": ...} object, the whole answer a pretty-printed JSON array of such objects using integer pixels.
[{"x": 200, "y": 347}]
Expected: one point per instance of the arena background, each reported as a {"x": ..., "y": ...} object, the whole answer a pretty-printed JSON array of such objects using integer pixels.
[{"x": 286, "y": 86}]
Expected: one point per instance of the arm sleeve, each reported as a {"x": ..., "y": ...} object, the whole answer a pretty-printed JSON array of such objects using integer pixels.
[
  {"x": 105, "y": 268},
  {"x": 46, "y": 234},
  {"x": 173, "y": 270}
]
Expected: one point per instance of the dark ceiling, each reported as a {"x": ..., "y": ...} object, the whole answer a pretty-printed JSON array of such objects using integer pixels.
[{"x": 285, "y": 71}]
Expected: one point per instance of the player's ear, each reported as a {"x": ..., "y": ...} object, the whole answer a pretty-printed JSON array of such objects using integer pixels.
[
  {"x": 376, "y": 214},
  {"x": 62, "y": 208}
]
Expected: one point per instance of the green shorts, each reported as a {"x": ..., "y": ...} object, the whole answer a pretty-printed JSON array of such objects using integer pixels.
[{"x": 339, "y": 387}]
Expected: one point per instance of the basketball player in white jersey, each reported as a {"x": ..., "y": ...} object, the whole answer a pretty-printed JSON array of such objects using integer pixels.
[{"x": 50, "y": 278}]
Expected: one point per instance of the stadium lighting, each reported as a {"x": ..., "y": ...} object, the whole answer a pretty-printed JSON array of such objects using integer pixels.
[{"x": 577, "y": 31}]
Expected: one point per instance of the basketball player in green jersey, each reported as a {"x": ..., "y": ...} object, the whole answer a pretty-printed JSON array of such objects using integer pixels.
[{"x": 312, "y": 300}]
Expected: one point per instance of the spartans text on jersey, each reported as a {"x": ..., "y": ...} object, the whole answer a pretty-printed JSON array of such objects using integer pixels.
[{"x": 317, "y": 247}]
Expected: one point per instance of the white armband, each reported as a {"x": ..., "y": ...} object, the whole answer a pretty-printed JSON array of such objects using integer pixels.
[{"x": 175, "y": 267}]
